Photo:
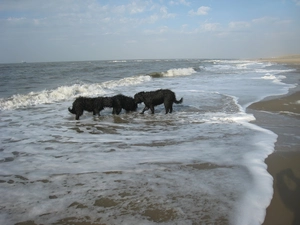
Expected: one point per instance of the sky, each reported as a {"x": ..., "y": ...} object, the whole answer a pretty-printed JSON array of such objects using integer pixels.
[{"x": 79, "y": 30}]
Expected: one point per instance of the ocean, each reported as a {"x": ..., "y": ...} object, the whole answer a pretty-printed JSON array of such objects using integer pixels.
[{"x": 202, "y": 164}]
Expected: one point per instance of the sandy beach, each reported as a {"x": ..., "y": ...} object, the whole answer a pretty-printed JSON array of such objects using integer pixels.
[
  {"x": 288, "y": 59},
  {"x": 281, "y": 114}
]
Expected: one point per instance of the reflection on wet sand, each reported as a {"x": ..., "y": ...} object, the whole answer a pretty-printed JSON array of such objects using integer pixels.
[
  {"x": 151, "y": 195},
  {"x": 289, "y": 190}
]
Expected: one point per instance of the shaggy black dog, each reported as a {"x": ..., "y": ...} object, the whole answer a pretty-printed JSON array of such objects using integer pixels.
[
  {"x": 94, "y": 105},
  {"x": 123, "y": 102},
  {"x": 153, "y": 98}
]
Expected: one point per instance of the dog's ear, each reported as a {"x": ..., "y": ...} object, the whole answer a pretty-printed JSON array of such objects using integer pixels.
[
  {"x": 138, "y": 97},
  {"x": 142, "y": 96}
]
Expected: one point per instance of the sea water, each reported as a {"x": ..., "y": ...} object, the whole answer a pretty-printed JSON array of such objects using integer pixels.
[{"x": 202, "y": 164}]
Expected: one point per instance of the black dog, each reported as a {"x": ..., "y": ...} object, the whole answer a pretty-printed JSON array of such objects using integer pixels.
[
  {"x": 94, "y": 105},
  {"x": 153, "y": 98},
  {"x": 123, "y": 102}
]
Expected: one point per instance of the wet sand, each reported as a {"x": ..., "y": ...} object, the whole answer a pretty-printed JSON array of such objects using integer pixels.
[{"x": 281, "y": 114}]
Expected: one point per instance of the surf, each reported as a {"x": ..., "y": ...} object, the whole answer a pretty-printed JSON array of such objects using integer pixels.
[{"x": 64, "y": 93}]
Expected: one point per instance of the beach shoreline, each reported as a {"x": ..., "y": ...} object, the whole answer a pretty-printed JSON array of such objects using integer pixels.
[
  {"x": 287, "y": 59},
  {"x": 281, "y": 114}
]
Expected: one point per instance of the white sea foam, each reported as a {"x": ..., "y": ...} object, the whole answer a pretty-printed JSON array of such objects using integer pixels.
[
  {"x": 68, "y": 92},
  {"x": 179, "y": 72},
  {"x": 128, "y": 81},
  {"x": 273, "y": 71},
  {"x": 276, "y": 79},
  {"x": 257, "y": 197},
  {"x": 118, "y": 61}
]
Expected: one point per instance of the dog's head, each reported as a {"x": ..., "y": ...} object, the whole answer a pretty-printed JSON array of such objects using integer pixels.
[
  {"x": 107, "y": 101},
  {"x": 134, "y": 107},
  {"x": 139, "y": 97}
]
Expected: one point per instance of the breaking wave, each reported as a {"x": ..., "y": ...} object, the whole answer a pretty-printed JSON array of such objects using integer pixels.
[
  {"x": 174, "y": 72},
  {"x": 68, "y": 92}
]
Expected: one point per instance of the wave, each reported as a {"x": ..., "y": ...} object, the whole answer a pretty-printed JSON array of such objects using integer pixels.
[
  {"x": 275, "y": 71},
  {"x": 232, "y": 66},
  {"x": 68, "y": 92},
  {"x": 118, "y": 61},
  {"x": 275, "y": 79},
  {"x": 174, "y": 72},
  {"x": 179, "y": 72}
]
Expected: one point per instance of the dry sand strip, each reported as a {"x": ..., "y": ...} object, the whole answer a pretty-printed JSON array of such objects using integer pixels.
[{"x": 289, "y": 59}]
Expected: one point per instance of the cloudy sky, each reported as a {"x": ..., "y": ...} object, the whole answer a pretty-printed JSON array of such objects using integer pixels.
[{"x": 71, "y": 30}]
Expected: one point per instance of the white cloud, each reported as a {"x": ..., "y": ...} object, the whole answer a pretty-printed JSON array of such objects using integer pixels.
[
  {"x": 270, "y": 20},
  {"x": 153, "y": 18},
  {"x": 16, "y": 20},
  {"x": 239, "y": 25},
  {"x": 180, "y": 2},
  {"x": 120, "y": 9},
  {"x": 165, "y": 14},
  {"x": 210, "y": 26},
  {"x": 136, "y": 7},
  {"x": 203, "y": 10},
  {"x": 297, "y": 2},
  {"x": 160, "y": 30},
  {"x": 265, "y": 19}
]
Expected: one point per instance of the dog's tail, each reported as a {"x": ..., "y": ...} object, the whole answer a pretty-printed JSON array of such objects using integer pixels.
[
  {"x": 72, "y": 110},
  {"x": 178, "y": 102}
]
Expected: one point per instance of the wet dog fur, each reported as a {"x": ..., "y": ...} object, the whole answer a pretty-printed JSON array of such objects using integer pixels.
[
  {"x": 154, "y": 98},
  {"x": 123, "y": 102},
  {"x": 81, "y": 104},
  {"x": 95, "y": 105}
]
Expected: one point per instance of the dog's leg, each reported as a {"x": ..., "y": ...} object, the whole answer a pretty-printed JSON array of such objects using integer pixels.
[
  {"x": 171, "y": 107},
  {"x": 118, "y": 110},
  {"x": 78, "y": 114},
  {"x": 96, "y": 112},
  {"x": 152, "y": 109},
  {"x": 168, "y": 107},
  {"x": 146, "y": 108}
]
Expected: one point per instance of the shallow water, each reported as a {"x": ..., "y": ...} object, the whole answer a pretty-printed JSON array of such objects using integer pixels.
[{"x": 202, "y": 164}]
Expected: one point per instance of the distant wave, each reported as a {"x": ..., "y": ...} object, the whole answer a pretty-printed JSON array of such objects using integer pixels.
[
  {"x": 174, "y": 72},
  {"x": 68, "y": 92},
  {"x": 275, "y": 79},
  {"x": 118, "y": 61},
  {"x": 232, "y": 66}
]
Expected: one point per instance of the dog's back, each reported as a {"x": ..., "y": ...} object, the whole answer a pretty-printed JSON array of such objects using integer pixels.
[
  {"x": 121, "y": 101},
  {"x": 127, "y": 103},
  {"x": 86, "y": 104},
  {"x": 154, "y": 98},
  {"x": 159, "y": 96},
  {"x": 108, "y": 102},
  {"x": 83, "y": 103}
]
